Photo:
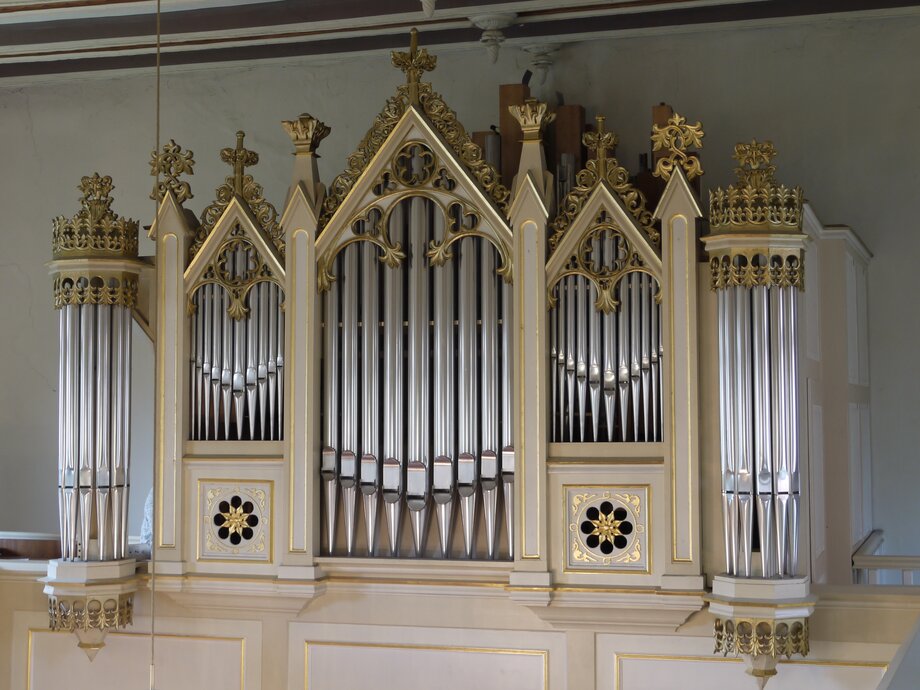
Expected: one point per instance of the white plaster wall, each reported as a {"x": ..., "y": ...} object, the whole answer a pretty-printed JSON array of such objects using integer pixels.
[{"x": 837, "y": 97}]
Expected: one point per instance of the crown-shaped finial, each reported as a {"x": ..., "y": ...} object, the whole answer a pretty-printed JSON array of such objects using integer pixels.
[
  {"x": 601, "y": 141},
  {"x": 757, "y": 203},
  {"x": 95, "y": 231},
  {"x": 171, "y": 162},
  {"x": 306, "y": 132},
  {"x": 531, "y": 116},
  {"x": 414, "y": 63},
  {"x": 676, "y": 137},
  {"x": 239, "y": 158}
]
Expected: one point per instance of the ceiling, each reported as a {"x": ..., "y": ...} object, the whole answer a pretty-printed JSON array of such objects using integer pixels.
[{"x": 46, "y": 37}]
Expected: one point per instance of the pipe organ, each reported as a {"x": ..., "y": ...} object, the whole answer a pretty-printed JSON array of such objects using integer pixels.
[{"x": 428, "y": 371}]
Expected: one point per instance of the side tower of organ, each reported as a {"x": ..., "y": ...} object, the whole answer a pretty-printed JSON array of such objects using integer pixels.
[{"x": 424, "y": 377}]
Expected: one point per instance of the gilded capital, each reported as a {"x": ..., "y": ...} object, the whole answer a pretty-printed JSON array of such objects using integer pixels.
[
  {"x": 306, "y": 132},
  {"x": 532, "y": 116}
]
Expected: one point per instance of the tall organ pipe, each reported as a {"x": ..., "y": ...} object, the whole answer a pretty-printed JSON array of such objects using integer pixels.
[
  {"x": 489, "y": 413},
  {"x": 348, "y": 457},
  {"x": 331, "y": 445},
  {"x": 467, "y": 412},
  {"x": 370, "y": 335}
]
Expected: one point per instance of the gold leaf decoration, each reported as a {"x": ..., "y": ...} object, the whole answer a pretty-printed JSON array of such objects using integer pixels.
[
  {"x": 240, "y": 184},
  {"x": 171, "y": 163},
  {"x": 602, "y": 169},
  {"x": 95, "y": 231},
  {"x": 675, "y": 138}
]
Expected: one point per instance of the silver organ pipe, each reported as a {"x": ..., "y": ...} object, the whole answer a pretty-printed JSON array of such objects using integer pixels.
[
  {"x": 94, "y": 430},
  {"x": 758, "y": 408},
  {"x": 444, "y": 475},
  {"x": 235, "y": 364},
  {"x": 606, "y": 368},
  {"x": 435, "y": 378},
  {"x": 393, "y": 456}
]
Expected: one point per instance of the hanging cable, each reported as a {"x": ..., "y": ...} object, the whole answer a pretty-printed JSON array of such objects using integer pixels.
[{"x": 153, "y": 521}]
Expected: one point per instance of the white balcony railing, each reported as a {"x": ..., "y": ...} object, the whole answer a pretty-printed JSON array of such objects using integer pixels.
[{"x": 872, "y": 568}]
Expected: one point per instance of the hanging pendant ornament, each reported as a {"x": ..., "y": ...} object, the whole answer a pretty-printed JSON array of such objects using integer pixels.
[
  {"x": 543, "y": 57},
  {"x": 428, "y": 7},
  {"x": 492, "y": 36}
]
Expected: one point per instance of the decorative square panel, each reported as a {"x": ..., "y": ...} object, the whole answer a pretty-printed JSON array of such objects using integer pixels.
[
  {"x": 234, "y": 522},
  {"x": 607, "y": 528}
]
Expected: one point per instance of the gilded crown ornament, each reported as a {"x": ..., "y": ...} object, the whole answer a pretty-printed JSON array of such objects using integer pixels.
[
  {"x": 95, "y": 231},
  {"x": 603, "y": 169},
  {"x": 675, "y": 138},
  {"x": 242, "y": 185},
  {"x": 532, "y": 116},
  {"x": 756, "y": 202},
  {"x": 171, "y": 163},
  {"x": 306, "y": 132}
]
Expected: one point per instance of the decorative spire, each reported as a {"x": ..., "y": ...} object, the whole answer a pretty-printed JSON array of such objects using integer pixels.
[
  {"x": 306, "y": 132},
  {"x": 414, "y": 63},
  {"x": 170, "y": 164},
  {"x": 239, "y": 158},
  {"x": 675, "y": 138},
  {"x": 531, "y": 116},
  {"x": 601, "y": 141},
  {"x": 755, "y": 161}
]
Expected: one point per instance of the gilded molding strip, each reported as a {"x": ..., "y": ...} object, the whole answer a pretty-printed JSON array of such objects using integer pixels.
[
  {"x": 78, "y": 287},
  {"x": 753, "y": 268}
]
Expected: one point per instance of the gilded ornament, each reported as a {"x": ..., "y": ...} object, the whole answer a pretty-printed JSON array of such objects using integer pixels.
[
  {"x": 756, "y": 203},
  {"x": 79, "y": 288},
  {"x": 757, "y": 269},
  {"x": 170, "y": 163},
  {"x": 604, "y": 276},
  {"x": 605, "y": 528},
  {"x": 95, "y": 231},
  {"x": 603, "y": 169},
  {"x": 754, "y": 637},
  {"x": 430, "y": 104},
  {"x": 675, "y": 138},
  {"x": 306, "y": 132},
  {"x": 70, "y": 614},
  {"x": 240, "y": 184},
  {"x": 532, "y": 116},
  {"x": 223, "y": 271}
]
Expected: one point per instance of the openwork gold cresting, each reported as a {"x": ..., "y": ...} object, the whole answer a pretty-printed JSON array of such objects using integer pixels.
[
  {"x": 240, "y": 184},
  {"x": 755, "y": 637},
  {"x": 171, "y": 163},
  {"x": 603, "y": 169},
  {"x": 532, "y": 116},
  {"x": 756, "y": 202},
  {"x": 420, "y": 95},
  {"x": 95, "y": 232},
  {"x": 70, "y": 614},
  {"x": 306, "y": 132},
  {"x": 221, "y": 272},
  {"x": 605, "y": 279},
  {"x": 757, "y": 207},
  {"x": 676, "y": 137}
]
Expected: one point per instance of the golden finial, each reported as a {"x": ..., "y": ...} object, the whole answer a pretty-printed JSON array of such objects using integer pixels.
[
  {"x": 96, "y": 230},
  {"x": 240, "y": 158},
  {"x": 675, "y": 138},
  {"x": 171, "y": 162},
  {"x": 755, "y": 168},
  {"x": 414, "y": 63},
  {"x": 601, "y": 141},
  {"x": 531, "y": 116},
  {"x": 306, "y": 132}
]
